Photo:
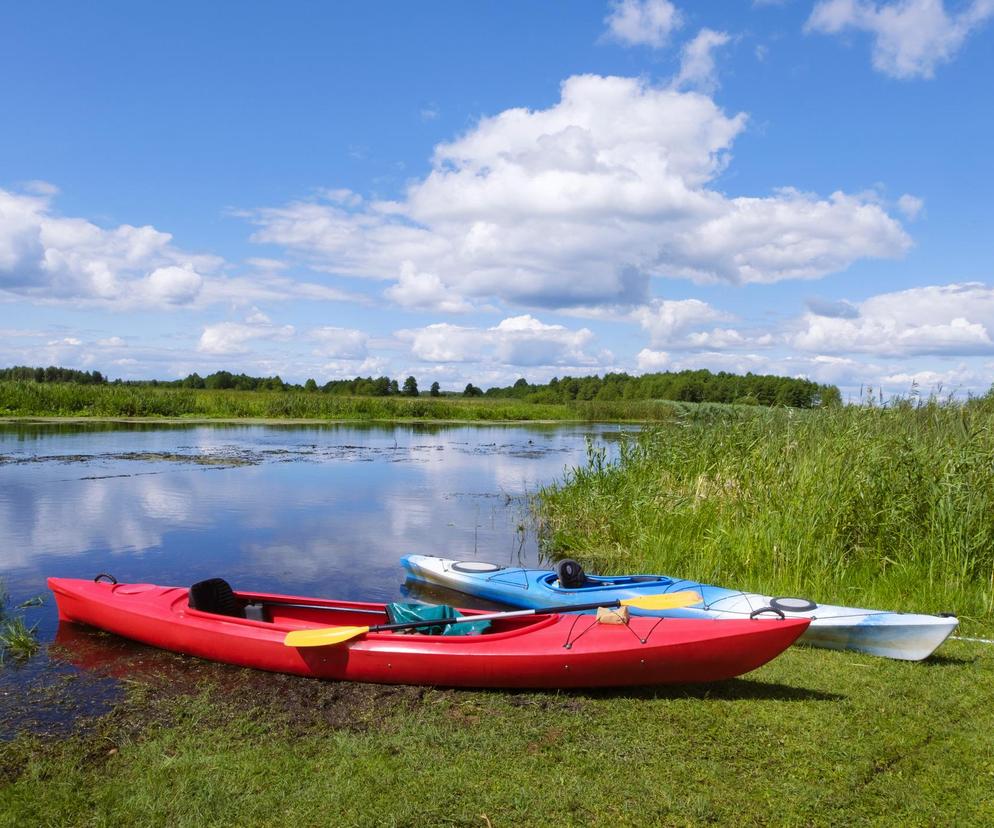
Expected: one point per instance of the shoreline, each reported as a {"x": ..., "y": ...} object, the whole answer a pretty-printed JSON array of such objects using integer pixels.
[{"x": 779, "y": 738}]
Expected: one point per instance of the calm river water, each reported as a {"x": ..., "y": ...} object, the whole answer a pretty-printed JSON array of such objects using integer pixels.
[{"x": 312, "y": 510}]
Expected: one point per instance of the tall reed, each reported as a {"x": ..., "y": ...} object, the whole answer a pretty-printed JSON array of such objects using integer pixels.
[
  {"x": 889, "y": 507},
  {"x": 29, "y": 399}
]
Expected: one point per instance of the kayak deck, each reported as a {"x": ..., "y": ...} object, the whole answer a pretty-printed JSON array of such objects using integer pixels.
[
  {"x": 905, "y": 636},
  {"x": 540, "y": 651}
]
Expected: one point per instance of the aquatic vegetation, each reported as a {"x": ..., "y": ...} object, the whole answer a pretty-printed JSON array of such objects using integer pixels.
[
  {"x": 889, "y": 507},
  {"x": 17, "y": 639},
  {"x": 28, "y": 399}
]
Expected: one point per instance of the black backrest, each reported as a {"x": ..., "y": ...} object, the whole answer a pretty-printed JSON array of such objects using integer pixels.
[
  {"x": 215, "y": 595},
  {"x": 570, "y": 574}
]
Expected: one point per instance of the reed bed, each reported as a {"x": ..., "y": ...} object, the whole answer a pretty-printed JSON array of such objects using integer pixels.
[
  {"x": 886, "y": 507},
  {"x": 28, "y": 399}
]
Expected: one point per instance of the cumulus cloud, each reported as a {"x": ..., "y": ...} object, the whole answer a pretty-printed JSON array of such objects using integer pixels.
[
  {"x": 667, "y": 321},
  {"x": 236, "y": 337},
  {"x": 518, "y": 341},
  {"x": 47, "y": 256},
  {"x": 911, "y": 206},
  {"x": 340, "y": 343},
  {"x": 174, "y": 285},
  {"x": 424, "y": 291},
  {"x": 642, "y": 22},
  {"x": 910, "y": 37},
  {"x": 955, "y": 319},
  {"x": 50, "y": 258},
  {"x": 697, "y": 69},
  {"x": 582, "y": 204}
]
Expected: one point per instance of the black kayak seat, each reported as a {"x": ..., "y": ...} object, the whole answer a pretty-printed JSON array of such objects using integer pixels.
[
  {"x": 215, "y": 595},
  {"x": 570, "y": 574}
]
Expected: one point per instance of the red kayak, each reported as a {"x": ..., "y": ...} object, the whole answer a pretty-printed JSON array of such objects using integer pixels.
[{"x": 540, "y": 651}]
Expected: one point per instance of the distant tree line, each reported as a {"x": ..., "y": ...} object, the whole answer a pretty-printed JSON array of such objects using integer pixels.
[
  {"x": 52, "y": 374},
  {"x": 686, "y": 386}
]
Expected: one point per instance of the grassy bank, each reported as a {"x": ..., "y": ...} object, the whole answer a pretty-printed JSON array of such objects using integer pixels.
[
  {"x": 28, "y": 399},
  {"x": 814, "y": 738},
  {"x": 874, "y": 507}
]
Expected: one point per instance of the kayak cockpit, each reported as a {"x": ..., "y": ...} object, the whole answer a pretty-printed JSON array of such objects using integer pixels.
[
  {"x": 569, "y": 575},
  {"x": 215, "y": 597}
]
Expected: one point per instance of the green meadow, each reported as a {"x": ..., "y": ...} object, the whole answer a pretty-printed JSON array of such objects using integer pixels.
[{"x": 814, "y": 738}]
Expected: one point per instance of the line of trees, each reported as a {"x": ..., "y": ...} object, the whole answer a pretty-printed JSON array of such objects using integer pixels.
[
  {"x": 687, "y": 386},
  {"x": 25, "y": 373}
]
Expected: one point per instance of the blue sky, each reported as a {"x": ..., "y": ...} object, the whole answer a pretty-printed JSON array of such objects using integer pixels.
[{"x": 483, "y": 191}]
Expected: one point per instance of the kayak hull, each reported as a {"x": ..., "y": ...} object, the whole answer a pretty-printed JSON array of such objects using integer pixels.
[
  {"x": 541, "y": 651},
  {"x": 904, "y": 636}
]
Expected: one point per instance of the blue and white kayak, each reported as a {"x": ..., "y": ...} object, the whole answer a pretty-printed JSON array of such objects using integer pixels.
[{"x": 906, "y": 636}]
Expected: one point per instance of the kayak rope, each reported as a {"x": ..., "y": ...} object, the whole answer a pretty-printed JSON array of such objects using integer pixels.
[
  {"x": 964, "y": 638},
  {"x": 652, "y": 629},
  {"x": 570, "y": 641},
  {"x": 511, "y": 578}
]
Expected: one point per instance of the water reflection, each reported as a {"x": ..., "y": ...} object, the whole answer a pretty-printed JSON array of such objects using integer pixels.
[{"x": 310, "y": 509}]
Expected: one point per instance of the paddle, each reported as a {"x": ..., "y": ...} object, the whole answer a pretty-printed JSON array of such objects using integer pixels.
[{"x": 325, "y": 636}]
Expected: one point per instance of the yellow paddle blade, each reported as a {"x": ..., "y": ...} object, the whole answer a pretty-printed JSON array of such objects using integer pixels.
[
  {"x": 323, "y": 636},
  {"x": 663, "y": 600}
]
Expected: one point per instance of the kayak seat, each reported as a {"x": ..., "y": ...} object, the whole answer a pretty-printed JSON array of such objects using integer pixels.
[
  {"x": 215, "y": 595},
  {"x": 570, "y": 574}
]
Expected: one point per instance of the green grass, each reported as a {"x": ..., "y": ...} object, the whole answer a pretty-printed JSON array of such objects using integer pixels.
[
  {"x": 17, "y": 639},
  {"x": 29, "y": 399},
  {"x": 814, "y": 738},
  {"x": 892, "y": 508}
]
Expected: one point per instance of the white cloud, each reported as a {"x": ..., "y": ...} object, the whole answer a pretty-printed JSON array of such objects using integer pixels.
[
  {"x": 650, "y": 361},
  {"x": 931, "y": 381},
  {"x": 910, "y": 37},
  {"x": 442, "y": 342},
  {"x": 174, "y": 285},
  {"x": 424, "y": 291},
  {"x": 518, "y": 341},
  {"x": 668, "y": 320},
  {"x": 697, "y": 69},
  {"x": 728, "y": 339},
  {"x": 955, "y": 319},
  {"x": 642, "y": 22},
  {"x": 911, "y": 206},
  {"x": 235, "y": 337},
  {"x": 581, "y": 204},
  {"x": 49, "y": 257},
  {"x": 340, "y": 343}
]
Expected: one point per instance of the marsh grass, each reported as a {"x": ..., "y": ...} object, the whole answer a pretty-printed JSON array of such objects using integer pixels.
[
  {"x": 888, "y": 507},
  {"x": 29, "y": 399},
  {"x": 17, "y": 639}
]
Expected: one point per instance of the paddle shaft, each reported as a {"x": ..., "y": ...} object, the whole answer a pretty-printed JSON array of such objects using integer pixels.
[
  {"x": 266, "y": 603},
  {"x": 410, "y": 625}
]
